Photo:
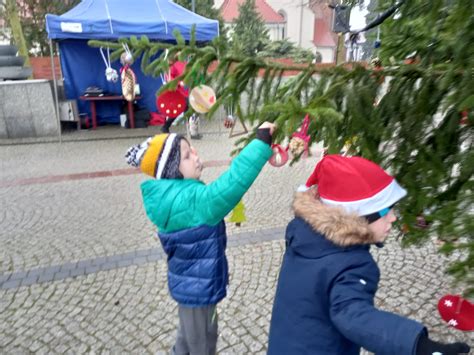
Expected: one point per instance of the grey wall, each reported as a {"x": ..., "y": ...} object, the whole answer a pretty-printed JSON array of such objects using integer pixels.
[{"x": 27, "y": 109}]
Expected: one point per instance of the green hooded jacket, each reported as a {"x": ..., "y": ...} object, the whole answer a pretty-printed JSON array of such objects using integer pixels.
[{"x": 176, "y": 204}]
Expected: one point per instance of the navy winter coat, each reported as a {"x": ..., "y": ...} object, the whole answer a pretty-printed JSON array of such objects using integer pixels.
[
  {"x": 324, "y": 303},
  {"x": 197, "y": 265}
]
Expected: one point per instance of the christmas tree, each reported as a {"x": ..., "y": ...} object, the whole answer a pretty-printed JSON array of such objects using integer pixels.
[
  {"x": 415, "y": 120},
  {"x": 238, "y": 214}
]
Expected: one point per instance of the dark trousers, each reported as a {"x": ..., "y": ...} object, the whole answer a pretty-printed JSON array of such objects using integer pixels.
[{"x": 197, "y": 331}]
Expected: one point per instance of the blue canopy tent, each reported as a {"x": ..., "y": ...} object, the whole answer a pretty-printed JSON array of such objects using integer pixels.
[{"x": 83, "y": 66}]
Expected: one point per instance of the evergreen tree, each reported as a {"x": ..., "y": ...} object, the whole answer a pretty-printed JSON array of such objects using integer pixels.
[
  {"x": 249, "y": 32},
  {"x": 32, "y": 14},
  {"x": 418, "y": 125},
  {"x": 206, "y": 9},
  {"x": 285, "y": 49}
]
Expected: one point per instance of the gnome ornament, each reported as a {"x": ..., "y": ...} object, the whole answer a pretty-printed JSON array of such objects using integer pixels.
[{"x": 299, "y": 140}]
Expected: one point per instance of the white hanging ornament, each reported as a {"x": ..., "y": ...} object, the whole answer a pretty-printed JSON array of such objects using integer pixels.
[{"x": 110, "y": 73}]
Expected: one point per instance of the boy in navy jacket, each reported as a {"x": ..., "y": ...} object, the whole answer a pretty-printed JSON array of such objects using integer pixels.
[{"x": 324, "y": 303}]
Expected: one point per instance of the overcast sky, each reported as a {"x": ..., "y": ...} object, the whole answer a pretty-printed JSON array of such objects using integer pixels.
[{"x": 357, "y": 18}]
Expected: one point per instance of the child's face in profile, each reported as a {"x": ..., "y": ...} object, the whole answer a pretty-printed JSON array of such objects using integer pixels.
[
  {"x": 381, "y": 227},
  {"x": 190, "y": 165}
]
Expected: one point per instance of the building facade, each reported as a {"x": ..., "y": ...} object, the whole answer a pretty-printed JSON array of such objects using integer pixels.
[{"x": 304, "y": 22}]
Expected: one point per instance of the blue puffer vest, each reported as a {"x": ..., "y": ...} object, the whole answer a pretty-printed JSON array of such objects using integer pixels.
[{"x": 197, "y": 265}]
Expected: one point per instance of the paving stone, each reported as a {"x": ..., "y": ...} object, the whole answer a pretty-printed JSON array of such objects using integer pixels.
[{"x": 99, "y": 226}]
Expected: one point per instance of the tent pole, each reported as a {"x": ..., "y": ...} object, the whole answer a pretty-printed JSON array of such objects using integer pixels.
[{"x": 55, "y": 87}]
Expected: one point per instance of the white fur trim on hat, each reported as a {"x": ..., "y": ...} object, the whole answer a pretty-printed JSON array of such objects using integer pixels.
[
  {"x": 165, "y": 155},
  {"x": 391, "y": 194},
  {"x": 302, "y": 188}
]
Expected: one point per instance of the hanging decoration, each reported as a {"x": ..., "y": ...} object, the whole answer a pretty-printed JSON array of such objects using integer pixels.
[
  {"x": 229, "y": 121},
  {"x": 110, "y": 73},
  {"x": 299, "y": 142},
  {"x": 457, "y": 312},
  {"x": 238, "y": 214},
  {"x": 177, "y": 68},
  {"x": 127, "y": 57},
  {"x": 464, "y": 118},
  {"x": 377, "y": 42},
  {"x": 202, "y": 98},
  {"x": 279, "y": 157},
  {"x": 171, "y": 103},
  {"x": 129, "y": 79}
]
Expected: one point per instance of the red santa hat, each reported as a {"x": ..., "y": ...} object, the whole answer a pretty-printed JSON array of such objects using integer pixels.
[{"x": 355, "y": 184}]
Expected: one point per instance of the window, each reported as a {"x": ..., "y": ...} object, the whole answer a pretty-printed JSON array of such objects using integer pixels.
[{"x": 282, "y": 13}]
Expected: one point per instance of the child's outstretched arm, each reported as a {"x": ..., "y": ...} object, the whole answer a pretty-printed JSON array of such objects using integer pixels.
[
  {"x": 218, "y": 198},
  {"x": 353, "y": 312}
]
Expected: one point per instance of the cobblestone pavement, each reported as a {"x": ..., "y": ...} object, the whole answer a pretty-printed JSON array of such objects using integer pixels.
[{"x": 81, "y": 270}]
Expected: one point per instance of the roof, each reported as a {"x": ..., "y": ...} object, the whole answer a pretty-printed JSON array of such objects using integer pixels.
[
  {"x": 230, "y": 11},
  {"x": 112, "y": 19},
  {"x": 322, "y": 34}
]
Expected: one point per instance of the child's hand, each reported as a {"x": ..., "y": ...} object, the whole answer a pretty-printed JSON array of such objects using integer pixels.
[{"x": 269, "y": 125}]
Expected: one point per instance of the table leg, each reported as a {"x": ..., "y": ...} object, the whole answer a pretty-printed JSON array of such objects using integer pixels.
[
  {"x": 93, "y": 114},
  {"x": 131, "y": 114}
]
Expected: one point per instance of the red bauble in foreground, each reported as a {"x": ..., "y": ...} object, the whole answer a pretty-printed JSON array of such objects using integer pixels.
[{"x": 457, "y": 312}]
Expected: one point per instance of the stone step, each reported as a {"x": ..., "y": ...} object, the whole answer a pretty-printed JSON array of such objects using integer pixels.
[
  {"x": 11, "y": 61},
  {"x": 15, "y": 73},
  {"x": 8, "y": 50}
]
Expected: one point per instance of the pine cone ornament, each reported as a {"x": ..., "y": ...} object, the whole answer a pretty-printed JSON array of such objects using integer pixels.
[
  {"x": 128, "y": 84},
  {"x": 297, "y": 146}
]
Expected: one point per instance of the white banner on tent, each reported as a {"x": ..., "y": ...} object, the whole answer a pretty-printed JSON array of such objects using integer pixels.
[{"x": 75, "y": 27}]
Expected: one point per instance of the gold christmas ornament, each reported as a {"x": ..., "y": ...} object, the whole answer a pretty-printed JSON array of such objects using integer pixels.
[{"x": 202, "y": 98}]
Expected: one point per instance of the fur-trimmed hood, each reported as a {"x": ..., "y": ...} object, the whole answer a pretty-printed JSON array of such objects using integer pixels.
[{"x": 336, "y": 225}]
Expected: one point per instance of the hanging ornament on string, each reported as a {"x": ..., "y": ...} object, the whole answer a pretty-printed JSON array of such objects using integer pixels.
[
  {"x": 202, "y": 98},
  {"x": 171, "y": 103},
  {"x": 127, "y": 75},
  {"x": 464, "y": 118},
  {"x": 229, "y": 121},
  {"x": 378, "y": 42},
  {"x": 299, "y": 142},
  {"x": 110, "y": 73},
  {"x": 279, "y": 157},
  {"x": 177, "y": 69}
]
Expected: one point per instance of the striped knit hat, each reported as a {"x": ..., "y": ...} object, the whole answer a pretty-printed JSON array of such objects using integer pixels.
[
  {"x": 355, "y": 184},
  {"x": 158, "y": 156}
]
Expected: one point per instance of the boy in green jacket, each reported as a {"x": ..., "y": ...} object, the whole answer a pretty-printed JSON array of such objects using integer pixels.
[{"x": 190, "y": 219}]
